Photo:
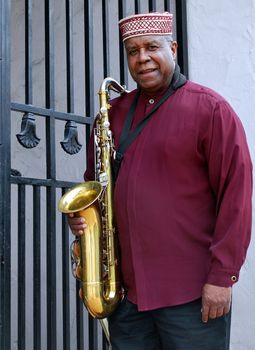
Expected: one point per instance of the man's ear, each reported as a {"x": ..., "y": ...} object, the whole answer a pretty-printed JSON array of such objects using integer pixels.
[{"x": 174, "y": 47}]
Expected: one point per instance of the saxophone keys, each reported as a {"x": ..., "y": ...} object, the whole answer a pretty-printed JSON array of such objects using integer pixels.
[
  {"x": 106, "y": 124},
  {"x": 103, "y": 110}
]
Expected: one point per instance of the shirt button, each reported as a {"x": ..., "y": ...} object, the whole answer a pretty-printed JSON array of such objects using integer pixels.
[
  {"x": 151, "y": 101},
  {"x": 233, "y": 278}
]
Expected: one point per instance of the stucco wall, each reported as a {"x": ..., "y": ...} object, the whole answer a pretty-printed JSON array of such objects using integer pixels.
[{"x": 221, "y": 44}]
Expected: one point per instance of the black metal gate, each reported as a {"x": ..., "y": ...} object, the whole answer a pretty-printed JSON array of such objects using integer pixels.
[{"x": 52, "y": 53}]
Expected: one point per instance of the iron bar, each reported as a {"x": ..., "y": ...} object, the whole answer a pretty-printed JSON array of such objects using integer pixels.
[
  {"x": 106, "y": 44},
  {"x": 89, "y": 69},
  {"x": 69, "y": 56},
  {"x": 21, "y": 267},
  {"x": 41, "y": 182},
  {"x": 137, "y": 6},
  {"x": 167, "y": 5},
  {"x": 182, "y": 36},
  {"x": 28, "y": 52},
  {"x": 122, "y": 57},
  {"x": 49, "y": 55},
  {"x": 80, "y": 322},
  {"x": 89, "y": 75},
  {"x": 51, "y": 268},
  {"x": 51, "y": 174},
  {"x": 93, "y": 336},
  {"x": 152, "y": 5},
  {"x": 65, "y": 282},
  {"x": 48, "y": 112},
  {"x": 70, "y": 144},
  {"x": 37, "y": 266},
  {"x": 5, "y": 210}
]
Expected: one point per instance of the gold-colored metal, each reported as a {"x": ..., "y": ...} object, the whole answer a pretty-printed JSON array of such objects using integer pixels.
[{"x": 96, "y": 259}]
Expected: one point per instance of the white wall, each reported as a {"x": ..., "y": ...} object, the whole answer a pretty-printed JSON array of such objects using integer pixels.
[{"x": 221, "y": 44}]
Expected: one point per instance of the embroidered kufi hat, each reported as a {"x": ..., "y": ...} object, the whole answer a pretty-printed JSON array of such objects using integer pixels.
[{"x": 153, "y": 23}]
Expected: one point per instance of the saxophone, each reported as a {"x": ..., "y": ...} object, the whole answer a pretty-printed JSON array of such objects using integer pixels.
[{"x": 94, "y": 255}]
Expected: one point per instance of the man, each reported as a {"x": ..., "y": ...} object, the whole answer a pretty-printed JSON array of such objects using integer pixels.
[{"x": 182, "y": 200}]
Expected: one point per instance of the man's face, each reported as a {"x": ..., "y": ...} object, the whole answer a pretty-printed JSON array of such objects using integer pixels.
[{"x": 151, "y": 61}]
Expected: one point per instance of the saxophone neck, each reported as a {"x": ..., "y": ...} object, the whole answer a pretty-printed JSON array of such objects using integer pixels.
[
  {"x": 111, "y": 84},
  {"x": 104, "y": 94}
]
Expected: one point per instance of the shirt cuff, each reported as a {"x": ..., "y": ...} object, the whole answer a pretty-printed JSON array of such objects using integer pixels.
[
  {"x": 87, "y": 176},
  {"x": 223, "y": 278}
]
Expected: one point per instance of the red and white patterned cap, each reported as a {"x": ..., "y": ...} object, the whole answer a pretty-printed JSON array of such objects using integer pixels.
[{"x": 153, "y": 23}]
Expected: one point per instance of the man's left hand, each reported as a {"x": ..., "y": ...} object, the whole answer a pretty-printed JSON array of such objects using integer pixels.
[{"x": 216, "y": 301}]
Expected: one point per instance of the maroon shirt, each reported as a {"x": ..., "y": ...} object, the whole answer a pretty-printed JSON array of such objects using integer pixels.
[{"x": 182, "y": 198}]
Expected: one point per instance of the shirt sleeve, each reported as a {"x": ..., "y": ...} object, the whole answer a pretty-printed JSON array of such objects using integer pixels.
[{"x": 230, "y": 176}]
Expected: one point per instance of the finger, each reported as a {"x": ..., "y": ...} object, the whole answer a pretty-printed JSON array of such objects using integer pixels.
[
  {"x": 226, "y": 309},
  {"x": 76, "y": 221},
  {"x": 213, "y": 312},
  {"x": 77, "y": 225},
  {"x": 220, "y": 311},
  {"x": 78, "y": 231},
  {"x": 205, "y": 313}
]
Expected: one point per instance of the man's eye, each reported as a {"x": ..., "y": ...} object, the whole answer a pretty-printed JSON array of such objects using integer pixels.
[
  {"x": 153, "y": 47},
  {"x": 132, "y": 52}
]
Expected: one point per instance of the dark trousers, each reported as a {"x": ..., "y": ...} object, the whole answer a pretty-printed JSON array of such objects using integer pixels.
[{"x": 171, "y": 328}]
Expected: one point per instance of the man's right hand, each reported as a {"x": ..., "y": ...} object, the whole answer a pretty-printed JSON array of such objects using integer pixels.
[{"x": 77, "y": 224}]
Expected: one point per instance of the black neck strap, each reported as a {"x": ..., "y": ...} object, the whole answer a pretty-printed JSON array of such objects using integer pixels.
[{"x": 127, "y": 136}]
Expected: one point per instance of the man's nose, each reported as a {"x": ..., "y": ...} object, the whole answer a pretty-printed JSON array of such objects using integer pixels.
[{"x": 144, "y": 55}]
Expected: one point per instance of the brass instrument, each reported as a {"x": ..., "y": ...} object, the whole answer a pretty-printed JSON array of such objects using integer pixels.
[{"x": 95, "y": 253}]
